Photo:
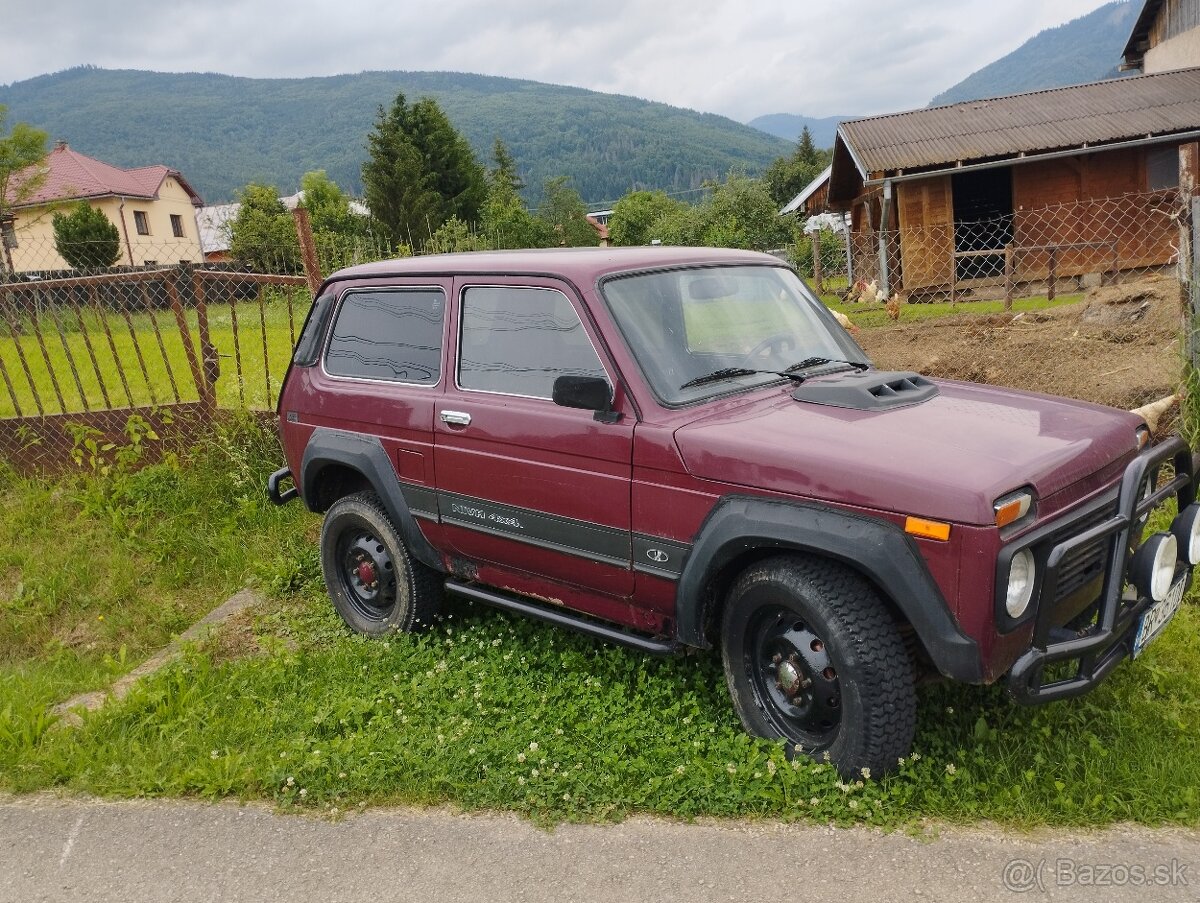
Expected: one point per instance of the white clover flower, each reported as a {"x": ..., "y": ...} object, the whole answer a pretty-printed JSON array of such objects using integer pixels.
[
  {"x": 771, "y": 767},
  {"x": 521, "y": 757},
  {"x": 814, "y": 801},
  {"x": 950, "y": 769},
  {"x": 680, "y": 769},
  {"x": 533, "y": 746},
  {"x": 214, "y": 754},
  {"x": 534, "y": 773},
  {"x": 731, "y": 768},
  {"x": 853, "y": 804},
  {"x": 303, "y": 791},
  {"x": 520, "y": 779},
  {"x": 291, "y": 781},
  {"x": 566, "y": 797},
  {"x": 341, "y": 774},
  {"x": 866, "y": 773}
]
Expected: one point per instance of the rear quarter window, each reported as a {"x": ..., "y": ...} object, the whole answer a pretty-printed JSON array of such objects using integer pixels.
[{"x": 388, "y": 334}]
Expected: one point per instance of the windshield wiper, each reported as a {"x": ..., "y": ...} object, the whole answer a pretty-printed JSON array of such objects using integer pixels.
[
  {"x": 810, "y": 362},
  {"x": 790, "y": 373},
  {"x": 718, "y": 375}
]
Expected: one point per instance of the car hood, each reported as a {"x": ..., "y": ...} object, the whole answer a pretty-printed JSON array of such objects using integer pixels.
[{"x": 948, "y": 458}]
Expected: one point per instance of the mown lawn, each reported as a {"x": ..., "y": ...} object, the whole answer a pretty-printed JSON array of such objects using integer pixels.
[{"x": 485, "y": 711}]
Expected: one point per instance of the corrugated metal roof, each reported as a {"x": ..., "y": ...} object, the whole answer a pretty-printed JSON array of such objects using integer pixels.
[{"x": 1097, "y": 113}]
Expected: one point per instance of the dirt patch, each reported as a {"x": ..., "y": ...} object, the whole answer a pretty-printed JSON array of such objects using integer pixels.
[
  {"x": 235, "y": 639},
  {"x": 1119, "y": 346}
]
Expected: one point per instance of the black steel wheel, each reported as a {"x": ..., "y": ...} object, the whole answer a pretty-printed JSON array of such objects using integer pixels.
[
  {"x": 812, "y": 656},
  {"x": 374, "y": 583}
]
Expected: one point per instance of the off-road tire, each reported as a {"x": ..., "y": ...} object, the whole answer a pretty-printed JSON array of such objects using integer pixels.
[
  {"x": 775, "y": 606},
  {"x": 405, "y": 596}
]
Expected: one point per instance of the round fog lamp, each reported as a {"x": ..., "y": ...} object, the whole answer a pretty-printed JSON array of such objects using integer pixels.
[
  {"x": 1020, "y": 584},
  {"x": 1154, "y": 565},
  {"x": 1186, "y": 530}
]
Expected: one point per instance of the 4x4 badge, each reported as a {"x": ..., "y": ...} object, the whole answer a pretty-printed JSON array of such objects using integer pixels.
[{"x": 657, "y": 555}]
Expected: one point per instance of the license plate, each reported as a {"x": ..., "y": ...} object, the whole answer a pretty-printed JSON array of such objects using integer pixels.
[{"x": 1158, "y": 615}]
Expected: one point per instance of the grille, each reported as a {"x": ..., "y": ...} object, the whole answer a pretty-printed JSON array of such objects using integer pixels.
[{"x": 1084, "y": 564}]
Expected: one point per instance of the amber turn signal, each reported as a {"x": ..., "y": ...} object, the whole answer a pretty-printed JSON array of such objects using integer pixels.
[
  {"x": 927, "y": 529},
  {"x": 1012, "y": 509}
]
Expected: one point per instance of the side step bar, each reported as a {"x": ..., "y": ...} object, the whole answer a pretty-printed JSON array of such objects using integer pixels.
[{"x": 569, "y": 620}]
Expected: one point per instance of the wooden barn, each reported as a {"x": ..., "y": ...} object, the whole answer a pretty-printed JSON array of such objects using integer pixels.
[{"x": 1074, "y": 182}]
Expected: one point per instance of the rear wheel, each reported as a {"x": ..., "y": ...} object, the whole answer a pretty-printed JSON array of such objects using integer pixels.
[
  {"x": 374, "y": 583},
  {"x": 813, "y": 657}
]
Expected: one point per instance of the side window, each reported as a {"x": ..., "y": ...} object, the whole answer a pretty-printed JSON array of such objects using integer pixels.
[
  {"x": 388, "y": 334},
  {"x": 519, "y": 340}
]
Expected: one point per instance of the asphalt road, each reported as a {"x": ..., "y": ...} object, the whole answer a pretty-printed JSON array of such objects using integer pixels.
[{"x": 167, "y": 851}]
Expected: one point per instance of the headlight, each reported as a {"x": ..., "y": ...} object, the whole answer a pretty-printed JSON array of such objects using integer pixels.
[
  {"x": 1186, "y": 530},
  {"x": 1020, "y": 583},
  {"x": 1154, "y": 565}
]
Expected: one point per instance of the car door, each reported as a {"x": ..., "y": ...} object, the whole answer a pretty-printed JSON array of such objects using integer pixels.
[
  {"x": 381, "y": 375},
  {"x": 527, "y": 485}
]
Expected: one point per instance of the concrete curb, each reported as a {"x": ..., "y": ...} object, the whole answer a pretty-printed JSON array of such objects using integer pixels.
[{"x": 68, "y": 711}]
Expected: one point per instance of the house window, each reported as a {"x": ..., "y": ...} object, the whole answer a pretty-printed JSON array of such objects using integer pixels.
[
  {"x": 141, "y": 222},
  {"x": 177, "y": 225},
  {"x": 1162, "y": 168}
]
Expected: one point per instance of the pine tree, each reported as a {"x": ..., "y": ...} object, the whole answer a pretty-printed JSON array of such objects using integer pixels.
[
  {"x": 420, "y": 172},
  {"x": 505, "y": 167}
]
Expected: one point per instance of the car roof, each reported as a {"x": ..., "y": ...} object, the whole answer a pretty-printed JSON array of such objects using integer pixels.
[{"x": 582, "y": 266}]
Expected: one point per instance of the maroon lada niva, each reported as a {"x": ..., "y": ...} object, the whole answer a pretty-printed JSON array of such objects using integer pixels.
[{"x": 671, "y": 447}]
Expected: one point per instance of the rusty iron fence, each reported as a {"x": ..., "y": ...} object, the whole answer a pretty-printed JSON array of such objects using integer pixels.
[{"x": 164, "y": 348}]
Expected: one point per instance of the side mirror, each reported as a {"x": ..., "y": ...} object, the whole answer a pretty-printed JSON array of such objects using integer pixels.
[{"x": 589, "y": 393}]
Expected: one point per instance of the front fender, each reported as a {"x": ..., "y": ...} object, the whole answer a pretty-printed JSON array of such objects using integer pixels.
[
  {"x": 878, "y": 550},
  {"x": 366, "y": 455}
]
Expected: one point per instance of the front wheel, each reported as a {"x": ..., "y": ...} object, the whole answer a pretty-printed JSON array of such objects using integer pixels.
[
  {"x": 813, "y": 657},
  {"x": 374, "y": 583}
]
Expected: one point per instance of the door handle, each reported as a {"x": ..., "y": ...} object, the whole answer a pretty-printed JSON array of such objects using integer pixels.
[{"x": 456, "y": 418}]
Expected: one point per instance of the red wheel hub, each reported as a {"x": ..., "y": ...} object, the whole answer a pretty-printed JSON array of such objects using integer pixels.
[{"x": 365, "y": 572}]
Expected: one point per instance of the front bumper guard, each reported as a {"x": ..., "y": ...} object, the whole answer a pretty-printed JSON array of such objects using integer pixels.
[{"x": 1101, "y": 647}]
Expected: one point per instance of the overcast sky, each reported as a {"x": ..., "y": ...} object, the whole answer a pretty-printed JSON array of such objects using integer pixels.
[{"x": 740, "y": 59}]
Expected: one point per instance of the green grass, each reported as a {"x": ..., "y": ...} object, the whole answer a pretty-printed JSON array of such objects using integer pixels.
[
  {"x": 869, "y": 315},
  {"x": 166, "y": 372},
  {"x": 485, "y": 711}
]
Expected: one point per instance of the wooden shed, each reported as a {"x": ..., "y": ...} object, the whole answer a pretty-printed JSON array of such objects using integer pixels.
[{"x": 1063, "y": 182}]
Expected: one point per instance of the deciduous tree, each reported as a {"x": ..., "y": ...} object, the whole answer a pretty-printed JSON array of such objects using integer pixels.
[
  {"x": 635, "y": 214},
  {"x": 263, "y": 235}
]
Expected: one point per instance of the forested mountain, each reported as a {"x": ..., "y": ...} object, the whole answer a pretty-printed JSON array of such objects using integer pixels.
[
  {"x": 1086, "y": 49},
  {"x": 223, "y": 132},
  {"x": 789, "y": 127}
]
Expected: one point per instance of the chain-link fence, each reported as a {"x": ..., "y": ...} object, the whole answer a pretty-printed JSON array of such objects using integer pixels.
[
  {"x": 90, "y": 359},
  {"x": 1048, "y": 250}
]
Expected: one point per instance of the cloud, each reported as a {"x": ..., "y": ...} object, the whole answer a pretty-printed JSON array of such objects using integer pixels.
[{"x": 819, "y": 57}]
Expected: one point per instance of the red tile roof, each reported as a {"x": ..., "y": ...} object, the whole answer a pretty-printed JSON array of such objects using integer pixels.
[{"x": 71, "y": 175}]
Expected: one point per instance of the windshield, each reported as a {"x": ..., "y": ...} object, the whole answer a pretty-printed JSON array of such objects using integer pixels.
[{"x": 707, "y": 331}]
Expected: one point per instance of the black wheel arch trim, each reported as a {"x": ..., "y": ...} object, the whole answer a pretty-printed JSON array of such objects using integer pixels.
[
  {"x": 366, "y": 455},
  {"x": 878, "y": 550}
]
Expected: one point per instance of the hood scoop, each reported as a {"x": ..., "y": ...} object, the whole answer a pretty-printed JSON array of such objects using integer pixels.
[{"x": 874, "y": 390}]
